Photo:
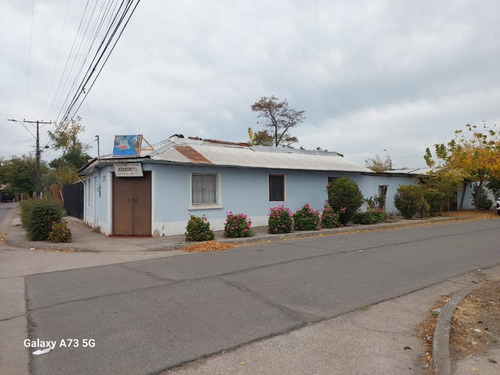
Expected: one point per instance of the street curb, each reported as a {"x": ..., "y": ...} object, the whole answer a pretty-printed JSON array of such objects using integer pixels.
[
  {"x": 21, "y": 242},
  {"x": 442, "y": 330}
]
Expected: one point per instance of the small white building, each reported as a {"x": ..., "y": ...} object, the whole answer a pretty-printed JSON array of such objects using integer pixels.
[{"x": 155, "y": 191}]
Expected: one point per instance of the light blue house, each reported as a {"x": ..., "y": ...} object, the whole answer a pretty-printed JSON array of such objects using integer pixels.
[{"x": 154, "y": 192}]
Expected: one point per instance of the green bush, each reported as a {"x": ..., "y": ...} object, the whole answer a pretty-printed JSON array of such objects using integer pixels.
[
  {"x": 408, "y": 200},
  {"x": 345, "y": 198},
  {"x": 371, "y": 216},
  {"x": 38, "y": 215},
  {"x": 435, "y": 199},
  {"x": 237, "y": 226},
  {"x": 306, "y": 218},
  {"x": 280, "y": 220},
  {"x": 329, "y": 217},
  {"x": 60, "y": 232},
  {"x": 485, "y": 203},
  {"x": 198, "y": 229},
  {"x": 424, "y": 210}
]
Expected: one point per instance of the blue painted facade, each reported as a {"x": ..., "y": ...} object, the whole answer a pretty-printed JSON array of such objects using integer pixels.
[
  {"x": 369, "y": 186},
  {"x": 241, "y": 190}
]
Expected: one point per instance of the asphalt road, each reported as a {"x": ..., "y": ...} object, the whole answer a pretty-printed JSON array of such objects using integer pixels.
[{"x": 147, "y": 316}]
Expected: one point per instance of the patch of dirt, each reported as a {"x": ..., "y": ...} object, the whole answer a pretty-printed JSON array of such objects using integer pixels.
[
  {"x": 472, "y": 214},
  {"x": 476, "y": 322},
  {"x": 425, "y": 331},
  {"x": 208, "y": 246}
]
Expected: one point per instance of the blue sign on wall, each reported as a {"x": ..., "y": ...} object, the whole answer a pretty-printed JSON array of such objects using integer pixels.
[{"x": 127, "y": 145}]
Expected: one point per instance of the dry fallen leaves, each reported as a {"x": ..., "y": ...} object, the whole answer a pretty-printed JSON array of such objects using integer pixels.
[
  {"x": 426, "y": 330},
  {"x": 208, "y": 246},
  {"x": 476, "y": 322},
  {"x": 472, "y": 214}
]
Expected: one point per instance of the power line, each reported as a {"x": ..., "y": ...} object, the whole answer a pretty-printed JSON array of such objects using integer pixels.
[
  {"x": 102, "y": 54},
  {"x": 113, "y": 21},
  {"x": 84, "y": 40},
  {"x": 99, "y": 30},
  {"x": 71, "y": 56},
  {"x": 29, "y": 57},
  {"x": 57, "y": 57},
  {"x": 91, "y": 44}
]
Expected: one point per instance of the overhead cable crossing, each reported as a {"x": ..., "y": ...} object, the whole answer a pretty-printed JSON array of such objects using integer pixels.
[{"x": 117, "y": 24}]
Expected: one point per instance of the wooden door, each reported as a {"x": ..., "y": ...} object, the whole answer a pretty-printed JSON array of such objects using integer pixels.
[{"x": 132, "y": 205}]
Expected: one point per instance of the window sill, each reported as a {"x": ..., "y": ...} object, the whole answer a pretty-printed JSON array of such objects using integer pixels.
[{"x": 206, "y": 207}]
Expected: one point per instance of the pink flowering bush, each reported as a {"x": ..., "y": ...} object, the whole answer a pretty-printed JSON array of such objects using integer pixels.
[
  {"x": 306, "y": 218},
  {"x": 280, "y": 220},
  {"x": 237, "y": 225},
  {"x": 198, "y": 229},
  {"x": 330, "y": 217},
  {"x": 59, "y": 232}
]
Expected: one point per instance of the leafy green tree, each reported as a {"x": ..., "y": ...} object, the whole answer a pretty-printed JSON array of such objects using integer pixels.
[
  {"x": 485, "y": 202},
  {"x": 260, "y": 138},
  {"x": 447, "y": 182},
  {"x": 378, "y": 165},
  {"x": 20, "y": 173},
  {"x": 74, "y": 156},
  {"x": 493, "y": 185},
  {"x": 280, "y": 118},
  {"x": 475, "y": 153}
]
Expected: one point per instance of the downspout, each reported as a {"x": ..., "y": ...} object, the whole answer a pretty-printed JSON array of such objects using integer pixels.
[{"x": 463, "y": 195}]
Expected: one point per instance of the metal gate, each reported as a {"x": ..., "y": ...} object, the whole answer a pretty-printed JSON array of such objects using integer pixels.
[
  {"x": 132, "y": 205},
  {"x": 73, "y": 199}
]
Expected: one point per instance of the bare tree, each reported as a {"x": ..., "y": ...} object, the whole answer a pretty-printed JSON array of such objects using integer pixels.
[{"x": 280, "y": 118}]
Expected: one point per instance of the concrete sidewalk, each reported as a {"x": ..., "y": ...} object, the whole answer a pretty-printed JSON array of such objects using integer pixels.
[
  {"x": 379, "y": 339},
  {"x": 86, "y": 239}
]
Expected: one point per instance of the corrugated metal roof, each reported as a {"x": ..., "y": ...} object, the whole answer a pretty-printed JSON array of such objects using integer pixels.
[
  {"x": 413, "y": 171},
  {"x": 196, "y": 151}
]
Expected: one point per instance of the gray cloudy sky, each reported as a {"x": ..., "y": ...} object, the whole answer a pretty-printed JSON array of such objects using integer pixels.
[{"x": 371, "y": 75}]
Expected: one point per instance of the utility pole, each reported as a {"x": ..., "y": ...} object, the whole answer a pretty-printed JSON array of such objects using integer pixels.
[
  {"x": 98, "y": 151},
  {"x": 390, "y": 160},
  {"x": 38, "y": 151}
]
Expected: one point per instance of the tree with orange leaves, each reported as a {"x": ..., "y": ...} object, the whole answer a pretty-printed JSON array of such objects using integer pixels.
[{"x": 475, "y": 153}]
